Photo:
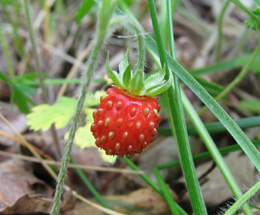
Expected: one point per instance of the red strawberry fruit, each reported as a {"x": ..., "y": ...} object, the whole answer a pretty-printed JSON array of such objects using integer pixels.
[{"x": 128, "y": 115}]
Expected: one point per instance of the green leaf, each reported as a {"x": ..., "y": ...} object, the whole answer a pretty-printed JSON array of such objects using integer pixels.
[
  {"x": 124, "y": 63},
  {"x": 136, "y": 86},
  {"x": 25, "y": 88},
  {"x": 127, "y": 76},
  {"x": 5, "y": 78},
  {"x": 43, "y": 116},
  {"x": 256, "y": 11},
  {"x": 229, "y": 64},
  {"x": 21, "y": 101},
  {"x": 112, "y": 74},
  {"x": 19, "y": 94},
  {"x": 84, "y": 8}
]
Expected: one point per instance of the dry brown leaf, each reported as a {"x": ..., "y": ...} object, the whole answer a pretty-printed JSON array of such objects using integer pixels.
[
  {"x": 27, "y": 204},
  {"x": 141, "y": 202},
  {"x": 19, "y": 186}
]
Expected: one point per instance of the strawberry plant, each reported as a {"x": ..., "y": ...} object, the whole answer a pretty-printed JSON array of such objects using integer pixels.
[{"x": 128, "y": 115}]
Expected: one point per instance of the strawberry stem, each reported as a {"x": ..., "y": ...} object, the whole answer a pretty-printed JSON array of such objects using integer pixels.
[
  {"x": 136, "y": 30},
  {"x": 102, "y": 33}
]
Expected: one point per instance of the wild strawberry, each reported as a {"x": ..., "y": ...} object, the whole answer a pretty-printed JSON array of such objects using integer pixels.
[
  {"x": 127, "y": 118},
  {"x": 124, "y": 124}
]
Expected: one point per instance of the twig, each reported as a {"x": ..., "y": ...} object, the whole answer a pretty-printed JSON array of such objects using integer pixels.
[
  {"x": 18, "y": 140},
  {"x": 86, "y": 167}
]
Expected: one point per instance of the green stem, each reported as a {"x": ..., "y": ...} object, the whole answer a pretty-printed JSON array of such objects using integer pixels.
[
  {"x": 104, "y": 16},
  {"x": 135, "y": 29},
  {"x": 167, "y": 16},
  {"x": 220, "y": 33},
  {"x": 216, "y": 127},
  {"x": 253, "y": 206},
  {"x": 167, "y": 196},
  {"x": 175, "y": 111},
  {"x": 205, "y": 155},
  {"x": 143, "y": 176},
  {"x": 246, "y": 10},
  {"x": 89, "y": 185},
  {"x": 6, "y": 53},
  {"x": 243, "y": 199},
  {"x": 238, "y": 79},
  {"x": 241, "y": 75}
]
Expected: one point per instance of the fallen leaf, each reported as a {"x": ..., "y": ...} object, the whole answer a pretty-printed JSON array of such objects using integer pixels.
[
  {"x": 27, "y": 204},
  {"x": 141, "y": 202},
  {"x": 19, "y": 186}
]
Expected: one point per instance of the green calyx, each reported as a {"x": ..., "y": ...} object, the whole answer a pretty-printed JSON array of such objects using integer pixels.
[{"x": 136, "y": 83}]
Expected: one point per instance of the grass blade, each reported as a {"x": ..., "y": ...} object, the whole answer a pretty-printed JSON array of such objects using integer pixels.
[{"x": 211, "y": 103}]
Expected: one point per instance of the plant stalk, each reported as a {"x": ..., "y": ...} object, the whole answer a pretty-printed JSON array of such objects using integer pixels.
[{"x": 105, "y": 13}]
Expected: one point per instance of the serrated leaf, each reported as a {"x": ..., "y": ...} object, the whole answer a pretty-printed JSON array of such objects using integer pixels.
[
  {"x": 124, "y": 63},
  {"x": 112, "y": 74},
  {"x": 155, "y": 78},
  {"x": 127, "y": 76},
  {"x": 84, "y": 8},
  {"x": 43, "y": 116},
  {"x": 136, "y": 84}
]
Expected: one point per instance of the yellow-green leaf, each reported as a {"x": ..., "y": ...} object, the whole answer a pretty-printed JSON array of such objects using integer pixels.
[{"x": 43, "y": 116}]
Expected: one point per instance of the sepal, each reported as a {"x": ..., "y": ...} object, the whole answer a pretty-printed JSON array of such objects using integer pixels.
[
  {"x": 136, "y": 83},
  {"x": 155, "y": 79},
  {"x": 127, "y": 76},
  {"x": 113, "y": 74},
  {"x": 160, "y": 88},
  {"x": 124, "y": 63}
]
